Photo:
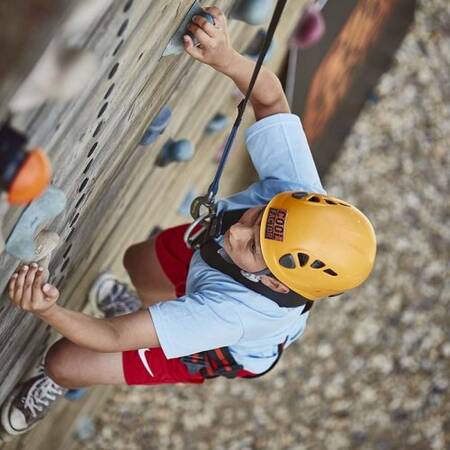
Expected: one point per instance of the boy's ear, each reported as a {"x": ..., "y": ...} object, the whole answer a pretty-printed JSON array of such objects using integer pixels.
[{"x": 274, "y": 284}]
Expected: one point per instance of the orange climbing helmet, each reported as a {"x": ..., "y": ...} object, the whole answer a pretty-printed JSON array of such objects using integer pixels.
[{"x": 317, "y": 245}]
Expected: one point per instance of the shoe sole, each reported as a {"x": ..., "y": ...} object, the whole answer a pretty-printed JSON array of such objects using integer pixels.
[{"x": 5, "y": 415}]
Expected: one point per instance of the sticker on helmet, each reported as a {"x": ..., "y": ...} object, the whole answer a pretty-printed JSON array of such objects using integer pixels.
[{"x": 276, "y": 221}]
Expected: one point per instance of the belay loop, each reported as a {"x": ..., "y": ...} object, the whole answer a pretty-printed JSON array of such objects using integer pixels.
[{"x": 195, "y": 239}]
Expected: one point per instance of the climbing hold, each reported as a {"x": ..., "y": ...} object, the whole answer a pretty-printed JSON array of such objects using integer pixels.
[
  {"x": 175, "y": 45},
  {"x": 154, "y": 232},
  {"x": 22, "y": 243},
  {"x": 309, "y": 30},
  {"x": 185, "y": 206},
  {"x": 85, "y": 428},
  {"x": 32, "y": 178},
  {"x": 157, "y": 126},
  {"x": 173, "y": 151},
  {"x": 75, "y": 394},
  {"x": 24, "y": 175},
  {"x": 217, "y": 123},
  {"x": 254, "y": 12},
  {"x": 255, "y": 46}
]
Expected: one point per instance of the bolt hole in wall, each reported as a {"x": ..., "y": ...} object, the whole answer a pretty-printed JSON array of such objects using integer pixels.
[
  {"x": 92, "y": 150},
  {"x": 70, "y": 235},
  {"x": 113, "y": 70},
  {"x": 67, "y": 251},
  {"x": 72, "y": 223},
  {"x": 127, "y": 6},
  {"x": 83, "y": 185},
  {"x": 102, "y": 110},
  {"x": 122, "y": 28},
  {"x": 118, "y": 47},
  {"x": 86, "y": 169},
  {"x": 109, "y": 91},
  {"x": 80, "y": 201},
  {"x": 97, "y": 130},
  {"x": 65, "y": 264}
]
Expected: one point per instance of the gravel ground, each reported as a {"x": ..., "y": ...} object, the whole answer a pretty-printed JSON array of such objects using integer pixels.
[{"x": 372, "y": 371}]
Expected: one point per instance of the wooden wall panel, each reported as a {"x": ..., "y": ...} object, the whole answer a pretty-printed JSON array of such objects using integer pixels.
[{"x": 125, "y": 195}]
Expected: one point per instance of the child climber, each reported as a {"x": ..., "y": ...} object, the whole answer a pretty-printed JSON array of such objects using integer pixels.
[{"x": 227, "y": 309}]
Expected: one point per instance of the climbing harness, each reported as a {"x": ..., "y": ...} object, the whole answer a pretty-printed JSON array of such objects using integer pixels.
[
  {"x": 204, "y": 208},
  {"x": 220, "y": 362}
]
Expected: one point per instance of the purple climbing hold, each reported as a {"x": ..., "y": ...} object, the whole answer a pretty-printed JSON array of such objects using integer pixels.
[
  {"x": 175, "y": 151},
  {"x": 157, "y": 126},
  {"x": 309, "y": 30},
  {"x": 253, "y": 12}
]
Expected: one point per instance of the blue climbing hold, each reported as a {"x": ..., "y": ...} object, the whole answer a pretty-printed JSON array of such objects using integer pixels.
[
  {"x": 75, "y": 394},
  {"x": 21, "y": 242},
  {"x": 185, "y": 206},
  {"x": 175, "y": 151},
  {"x": 255, "y": 46},
  {"x": 253, "y": 12},
  {"x": 217, "y": 123},
  {"x": 157, "y": 126}
]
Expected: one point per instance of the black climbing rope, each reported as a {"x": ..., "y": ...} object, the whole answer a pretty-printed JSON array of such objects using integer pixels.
[{"x": 208, "y": 201}]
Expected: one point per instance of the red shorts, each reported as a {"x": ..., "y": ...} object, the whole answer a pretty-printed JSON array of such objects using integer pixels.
[{"x": 150, "y": 366}]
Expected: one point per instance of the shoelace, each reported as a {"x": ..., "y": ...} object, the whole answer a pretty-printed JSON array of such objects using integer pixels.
[
  {"x": 119, "y": 292},
  {"x": 41, "y": 393}
]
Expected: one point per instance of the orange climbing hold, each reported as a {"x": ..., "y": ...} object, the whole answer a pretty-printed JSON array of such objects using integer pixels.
[{"x": 32, "y": 178}]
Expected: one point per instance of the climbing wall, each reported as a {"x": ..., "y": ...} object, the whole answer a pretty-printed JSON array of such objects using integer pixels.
[{"x": 115, "y": 193}]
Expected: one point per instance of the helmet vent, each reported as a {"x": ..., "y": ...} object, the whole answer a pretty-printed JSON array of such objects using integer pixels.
[
  {"x": 287, "y": 261},
  {"x": 314, "y": 199},
  {"x": 317, "y": 264},
  {"x": 335, "y": 295},
  {"x": 331, "y": 272},
  {"x": 330, "y": 202},
  {"x": 345, "y": 204},
  {"x": 302, "y": 259},
  {"x": 299, "y": 195}
]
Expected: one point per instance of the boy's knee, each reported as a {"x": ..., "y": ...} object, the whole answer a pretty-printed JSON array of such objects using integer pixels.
[{"x": 56, "y": 363}]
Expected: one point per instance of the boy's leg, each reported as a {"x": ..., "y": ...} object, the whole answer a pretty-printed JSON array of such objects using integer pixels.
[
  {"x": 72, "y": 366},
  {"x": 159, "y": 267},
  {"x": 145, "y": 271}
]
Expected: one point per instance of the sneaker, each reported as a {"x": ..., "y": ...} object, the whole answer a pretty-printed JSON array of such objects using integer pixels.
[
  {"x": 109, "y": 297},
  {"x": 29, "y": 403}
]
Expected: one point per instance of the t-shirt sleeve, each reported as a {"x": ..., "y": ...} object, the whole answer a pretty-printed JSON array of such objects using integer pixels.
[
  {"x": 195, "y": 323},
  {"x": 279, "y": 150}
]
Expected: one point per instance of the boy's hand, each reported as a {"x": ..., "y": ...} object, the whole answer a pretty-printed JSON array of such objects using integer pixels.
[
  {"x": 27, "y": 291},
  {"x": 215, "y": 48}
]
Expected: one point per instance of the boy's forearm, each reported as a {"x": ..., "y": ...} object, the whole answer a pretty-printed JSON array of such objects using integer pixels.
[
  {"x": 267, "y": 89},
  {"x": 89, "y": 332}
]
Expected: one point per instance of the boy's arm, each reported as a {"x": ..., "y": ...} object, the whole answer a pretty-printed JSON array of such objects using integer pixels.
[
  {"x": 117, "y": 334},
  {"x": 267, "y": 97},
  {"x": 28, "y": 292}
]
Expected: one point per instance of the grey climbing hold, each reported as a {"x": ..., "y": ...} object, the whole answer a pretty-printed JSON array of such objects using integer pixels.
[
  {"x": 175, "y": 151},
  {"x": 21, "y": 243},
  {"x": 255, "y": 46},
  {"x": 175, "y": 45},
  {"x": 253, "y": 12},
  {"x": 157, "y": 126},
  {"x": 85, "y": 428},
  {"x": 217, "y": 123}
]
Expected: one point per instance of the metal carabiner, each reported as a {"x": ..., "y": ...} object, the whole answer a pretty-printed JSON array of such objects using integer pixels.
[
  {"x": 190, "y": 236},
  {"x": 206, "y": 201}
]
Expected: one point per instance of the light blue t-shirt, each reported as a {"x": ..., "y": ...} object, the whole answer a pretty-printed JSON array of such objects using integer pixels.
[{"x": 217, "y": 311}]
